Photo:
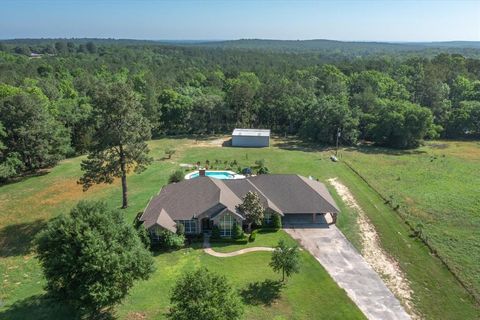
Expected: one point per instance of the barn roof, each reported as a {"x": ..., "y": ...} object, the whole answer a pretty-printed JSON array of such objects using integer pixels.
[{"x": 251, "y": 132}]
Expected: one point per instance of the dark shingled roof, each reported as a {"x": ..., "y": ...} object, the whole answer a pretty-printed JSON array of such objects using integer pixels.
[
  {"x": 283, "y": 193},
  {"x": 295, "y": 194}
]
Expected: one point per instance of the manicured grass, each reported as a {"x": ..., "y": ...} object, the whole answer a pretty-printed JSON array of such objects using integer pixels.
[
  {"x": 311, "y": 294},
  {"x": 438, "y": 186},
  {"x": 264, "y": 238},
  {"x": 26, "y": 205}
]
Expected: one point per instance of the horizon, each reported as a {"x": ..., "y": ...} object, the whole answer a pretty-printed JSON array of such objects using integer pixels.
[
  {"x": 239, "y": 39},
  {"x": 348, "y": 21}
]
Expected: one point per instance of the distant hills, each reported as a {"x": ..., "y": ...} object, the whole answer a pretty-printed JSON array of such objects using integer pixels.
[
  {"x": 341, "y": 46},
  {"x": 321, "y": 46}
]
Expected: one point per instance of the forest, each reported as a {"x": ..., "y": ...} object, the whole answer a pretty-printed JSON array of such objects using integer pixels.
[{"x": 56, "y": 94}]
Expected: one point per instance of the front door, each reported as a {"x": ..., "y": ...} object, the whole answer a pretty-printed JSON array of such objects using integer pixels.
[{"x": 207, "y": 225}]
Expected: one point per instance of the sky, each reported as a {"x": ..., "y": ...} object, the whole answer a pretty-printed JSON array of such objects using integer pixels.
[{"x": 381, "y": 20}]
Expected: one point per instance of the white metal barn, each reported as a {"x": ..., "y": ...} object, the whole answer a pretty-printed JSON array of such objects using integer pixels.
[{"x": 250, "y": 138}]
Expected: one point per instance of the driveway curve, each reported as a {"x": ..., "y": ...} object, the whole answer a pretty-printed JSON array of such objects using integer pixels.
[{"x": 351, "y": 272}]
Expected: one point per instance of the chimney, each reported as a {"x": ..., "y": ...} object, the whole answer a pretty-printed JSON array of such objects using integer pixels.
[{"x": 201, "y": 172}]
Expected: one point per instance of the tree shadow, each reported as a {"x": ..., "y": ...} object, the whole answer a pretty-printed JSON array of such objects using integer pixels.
[
  {"x": 227, "y": 143},
  {"x": 17, "y": 239},
  {"x": 386, "y": 151},
  {"x": 265, "y": 292},
  {"x": 299, "y": 145},
  {"x": 24, "y": 177},
  {"x": 39, "y": 307}
]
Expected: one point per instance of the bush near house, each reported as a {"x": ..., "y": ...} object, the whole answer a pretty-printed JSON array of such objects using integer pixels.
[
  {"x": 176, "y": 176},
  {"x": 180, "y": 229},
  {"x": 237, "y": 232},
  {"x": 253, "y": 235},
  {"x": 215, "y": 232},
  {"x": 168, "y": 240},
  {"x": 276, "y": 221}
]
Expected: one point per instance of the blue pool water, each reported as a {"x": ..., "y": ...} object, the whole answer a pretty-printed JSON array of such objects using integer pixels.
[{"x": 215, "y": 174}]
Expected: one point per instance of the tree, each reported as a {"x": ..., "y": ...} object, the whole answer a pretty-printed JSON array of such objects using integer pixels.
[
  {"x": 91, "y": 47},
  {"x": 30, "y": 131},
  {"x": 401, "y": 124},
  {"x": 61, "y": 47},
  {"x": 464, "y": 120},
  {"x": 285, "y": 259},
  {"x": 204, "y": 295},
  {"x": 241, "y": 96},
  {"x": 9, "y": 164},
  {"x": 326, "y": 117},
  {"x": 175, "y": 111},
  {"x": 252, "y": 209},
  {"x": 92, "y": 257},
  {"x": 118, "y": 145}
]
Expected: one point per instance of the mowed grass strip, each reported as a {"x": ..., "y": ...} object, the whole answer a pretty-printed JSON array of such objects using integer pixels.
[
  {"x": 437, "y": 294},
  {"x": 438, "y": 186}
]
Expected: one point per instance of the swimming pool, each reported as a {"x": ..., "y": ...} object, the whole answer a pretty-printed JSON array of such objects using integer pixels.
[{"x": 216, "y": 174}]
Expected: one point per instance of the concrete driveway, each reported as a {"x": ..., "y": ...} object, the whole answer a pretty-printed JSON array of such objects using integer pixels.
[{"x": 351, "y": 272}]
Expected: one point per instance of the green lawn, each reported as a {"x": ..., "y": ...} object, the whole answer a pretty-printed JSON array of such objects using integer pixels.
[
  {"x": 264, "y": 238},
  {"x": 26, "y": 205},
  {"x": 438, "y": 186}
]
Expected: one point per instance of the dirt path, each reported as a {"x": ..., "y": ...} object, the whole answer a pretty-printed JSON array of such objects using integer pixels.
[
  {"x": 374, "y": 254},
  {"x": 211, "y": 143}
]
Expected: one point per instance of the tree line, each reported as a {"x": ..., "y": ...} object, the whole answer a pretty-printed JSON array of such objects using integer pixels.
[{"x": 68, "y": 102}]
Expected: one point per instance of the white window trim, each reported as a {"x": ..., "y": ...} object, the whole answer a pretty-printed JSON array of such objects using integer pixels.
[
  {"x": 226, "y": 219},
  {"x": 189, "y": 225}
]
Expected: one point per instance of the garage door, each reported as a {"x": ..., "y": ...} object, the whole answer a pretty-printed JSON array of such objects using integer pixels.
[{"x": 296, "y": 219}]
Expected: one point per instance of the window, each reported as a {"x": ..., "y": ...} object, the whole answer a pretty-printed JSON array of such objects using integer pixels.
[
  {"x": 267, "y": 218},
  {"x": 190, "y": 226},
  {"x": 225, "y": 225}
]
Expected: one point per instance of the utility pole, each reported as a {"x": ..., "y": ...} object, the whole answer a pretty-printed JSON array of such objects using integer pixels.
[{"x": 338, "y": 136}]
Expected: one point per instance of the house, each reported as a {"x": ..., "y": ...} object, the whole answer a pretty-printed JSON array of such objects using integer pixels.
[
  {"x": 203, "y": 202},
  {"x": 250, "y": 138}
]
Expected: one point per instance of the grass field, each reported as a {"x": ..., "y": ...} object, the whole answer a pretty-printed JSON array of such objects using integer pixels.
[
  {"x": 25, "y": 206},
  {"x": 438, "y": 186}
]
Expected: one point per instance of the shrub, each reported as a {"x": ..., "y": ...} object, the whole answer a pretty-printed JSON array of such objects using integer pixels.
[
  {"x": 253, "y": 235},
  {"x": 169, "y": 240},
  {"x": 180, "y": 229},
  {"x": 263, "y": 170},
  {"x": 247, "y": 171},
  {"x": 276, "y": 221},
  {"x": 237, "y": 232},
  {"x": 176, "y": 176},
  {"x": 215, "y": 232},
  {"x": 144, "y": 236}
]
